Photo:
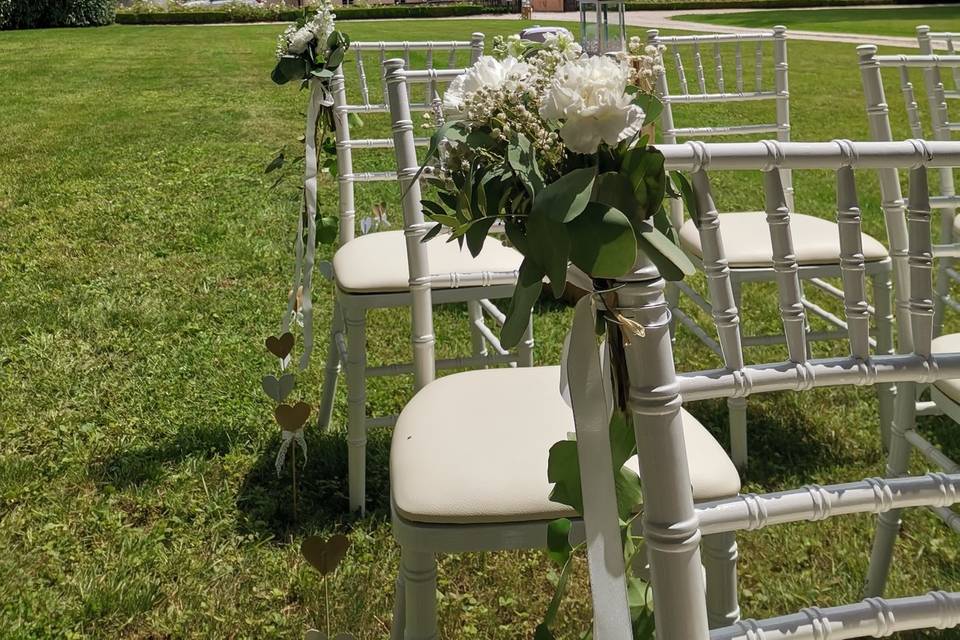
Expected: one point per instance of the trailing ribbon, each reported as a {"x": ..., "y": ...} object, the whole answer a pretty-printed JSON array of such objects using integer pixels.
[
  {"x": 286, "y": 438},
  {"x": 320, "y": 99},
  {"x": 586, "y": 386}
]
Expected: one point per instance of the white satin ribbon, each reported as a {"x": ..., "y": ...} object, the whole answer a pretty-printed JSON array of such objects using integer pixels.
[
  {"x": 320, "y": 98},
  {"x": 286, "y": 438},
  {"x": 585, "y": 384}
]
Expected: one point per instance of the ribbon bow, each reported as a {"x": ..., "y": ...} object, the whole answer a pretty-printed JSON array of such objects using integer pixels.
[{"x": 286, "y": 438}]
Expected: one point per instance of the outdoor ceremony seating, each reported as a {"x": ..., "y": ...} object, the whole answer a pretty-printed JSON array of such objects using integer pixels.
[
  {"x": 748, "y": 251},
  {"x": 944, "y": 393},
  {"x": 469, "y": 454},
  {"x": 673, "y": 522},
  {"x": 370, "y": 271}
]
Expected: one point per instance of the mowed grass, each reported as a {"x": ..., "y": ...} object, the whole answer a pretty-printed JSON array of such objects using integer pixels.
[
  {"x": 143, "y": 260},
  {"x": 899, "y": 21}
]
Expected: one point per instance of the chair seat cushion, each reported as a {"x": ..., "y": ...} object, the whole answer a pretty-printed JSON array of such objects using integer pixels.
[
  {"x": 948, "y": 343},
  {"x": 377, "y": 262},
  {"x": 746, "y": 240},
  {"x": 473, "y": 447}
]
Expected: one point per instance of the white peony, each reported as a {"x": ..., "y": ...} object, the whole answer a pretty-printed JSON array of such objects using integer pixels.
[
  {"x": 589, "y": 97},
  {"x": 486, "y": 73},
  {"x": 300, "y": 39}
]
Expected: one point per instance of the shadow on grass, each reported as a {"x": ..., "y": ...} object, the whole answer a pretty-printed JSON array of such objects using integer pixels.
[
  {"x": 149, "y": 464},
  {"x": 785, "y": 440},
  {"x": 265, "y": 501}
]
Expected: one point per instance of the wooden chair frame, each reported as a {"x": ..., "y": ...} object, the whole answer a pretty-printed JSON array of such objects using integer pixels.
[
  {"x": 347, "y": 339},
  {"x": 421, "y": 543},
  {"x": 672, "y": 523},
  {"x": 739, "y": 90}
]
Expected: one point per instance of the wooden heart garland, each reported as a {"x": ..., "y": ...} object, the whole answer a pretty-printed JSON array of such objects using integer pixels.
[
  {"x": 291, "y": 417},
  {"x": 278, "y": 389},
  {"x": 280, "y": 347},
  {"x": 324, "y": 555}
]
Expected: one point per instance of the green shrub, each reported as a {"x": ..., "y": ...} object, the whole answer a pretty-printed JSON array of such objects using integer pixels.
[
  {"x": 239, "y": 13},
  {"x": 29, "y": 14}
]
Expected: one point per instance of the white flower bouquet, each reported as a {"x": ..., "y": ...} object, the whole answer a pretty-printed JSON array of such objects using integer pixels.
[
  {"x": 549, "y": 141},
  {"x": 310, "y": 48}
]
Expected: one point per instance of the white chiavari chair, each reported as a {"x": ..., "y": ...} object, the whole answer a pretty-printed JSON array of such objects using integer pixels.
[
  {"x": 749, "y": 254},
  {"x": 370, "y": 271},
  {"x": 673, "y": 522},
  {"x": 944, "y": 393},
  {"x": 469, "y": 454}
]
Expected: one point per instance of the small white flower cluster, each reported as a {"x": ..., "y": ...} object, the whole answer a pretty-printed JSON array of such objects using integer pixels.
[
  {"x": 556, "y": 95},
  {"x": 646, "y": 61},
  {"x": 295, "y": 41}
]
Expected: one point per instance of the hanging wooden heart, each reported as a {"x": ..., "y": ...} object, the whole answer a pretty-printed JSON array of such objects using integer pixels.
[
  {"x": 278, "y": 389},
  {"x": 324, "y": 555},
  {"x": 291, "y": 418},
  {"x": 282, "y": 346}
]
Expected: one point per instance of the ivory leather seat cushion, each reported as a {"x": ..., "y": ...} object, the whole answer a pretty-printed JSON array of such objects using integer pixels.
[
  {"x": 949, "y": 343},
  {"x": 746, "y": 240},
  {"x": 473, "y": 447},
  {"x": 377, "y": 262}
]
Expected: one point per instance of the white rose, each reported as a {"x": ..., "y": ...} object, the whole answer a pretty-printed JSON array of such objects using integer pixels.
[
  {"x": 486, "y": 73},
  {"x": 300, "y": 40},
  {"x": 589, "y": 97}
]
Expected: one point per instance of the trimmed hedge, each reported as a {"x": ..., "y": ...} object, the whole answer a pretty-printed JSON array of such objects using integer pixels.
[
  {"x": 29, "y": 14},
  {"x": 343, "y": 13}
]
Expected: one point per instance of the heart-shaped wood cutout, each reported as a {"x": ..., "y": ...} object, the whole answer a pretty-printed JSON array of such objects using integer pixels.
[
  {"x": 314, "y": 634},
  {"x": 292, "y": 418},
  {"x": 278, "y": 389},
  {"x": 282, "y": 346},
  {"x": 324, "y": 555}
]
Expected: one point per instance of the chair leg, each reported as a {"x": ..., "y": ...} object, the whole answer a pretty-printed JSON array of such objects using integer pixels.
[
  {"x": 888, "y": 523},
  {"x": 525, "y": 349},
  {"x": 356, "y": 407},
  {"x": 886, "y": 393},
  {"x": 419, "y": 576},
  {"x": 476, "y": 315},
  {"x": 719, "y": 553},
  {"x": 331, "y": 371},
  {"x": 399, "y": 609}
]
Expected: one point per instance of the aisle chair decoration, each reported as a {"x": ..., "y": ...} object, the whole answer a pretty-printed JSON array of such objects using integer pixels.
[
  {"x": 308, "y": 51},
  {"x": 549, "y": 141},
  {"x": 673, "y": 524}
]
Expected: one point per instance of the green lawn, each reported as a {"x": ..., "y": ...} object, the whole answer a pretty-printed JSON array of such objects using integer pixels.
[
  {"x": 899, "y": 21},
  {"x": 142, "y": 261}
]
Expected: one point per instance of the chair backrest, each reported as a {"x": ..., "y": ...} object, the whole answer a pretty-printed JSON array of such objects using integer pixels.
[
  {"x": 414, "y": 225},
  {"x": 750, "y": 82},
  {"x": 365, "y": 98},
  {"x": 878, "y": 113},
  {"x": 672, "y": 523}
]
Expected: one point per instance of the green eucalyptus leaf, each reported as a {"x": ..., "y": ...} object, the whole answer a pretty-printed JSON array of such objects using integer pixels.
[
  {"x": 529, "y": 284},
  {"x": 322, "y": 74},
  {"x": 434, "y": 231},
  {"x": 516, "y": 234},
  {"x": 558, "y": 541},
  {"x": 523, "y": 161},
  {"x": 602, "y": 241},
  {"x": 549, "y": 246},
  {"x": 563, "y": 471},
  {"x": 623, "y": 441},
  {"x": 327, "y": 229},
  {"x": 476, "y": 235},
  {"x": 567, "y": 197},
  {"x": 670, "y": 259},
  {"x": 616, "y": 190},
  {"x": 689, "y": 199},
  {"x": 431, "y": 208},
  {"x": 289, "y": 68},
  {"x": 542, "y": 632},
  {"x": 651, "y": 105},
  {"x": 354, "y": 120},
  {"x": 644, "y": 167},
  {"x": 629, "y": 493},
  {"x": 335, "y": 59}
]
